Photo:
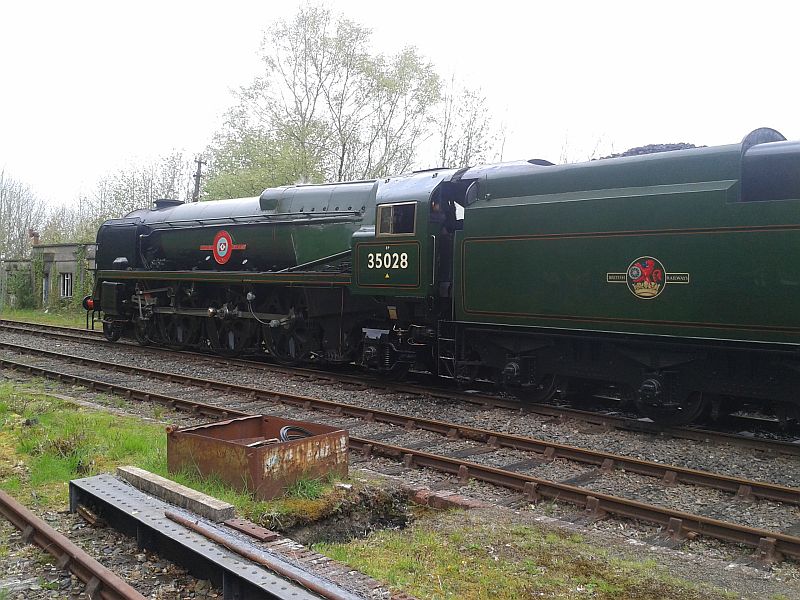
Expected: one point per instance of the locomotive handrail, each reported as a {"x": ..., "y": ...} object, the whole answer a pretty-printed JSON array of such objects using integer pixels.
[{"x": 283, "y": 218}]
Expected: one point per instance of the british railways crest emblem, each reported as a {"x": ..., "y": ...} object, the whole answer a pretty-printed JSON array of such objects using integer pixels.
[
  {"x": 223, "y": 246},
  {"x": 646, "y": 277}
]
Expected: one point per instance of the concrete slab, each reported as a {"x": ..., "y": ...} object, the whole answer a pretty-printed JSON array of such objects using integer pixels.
[{"x": 177, "y": 494}]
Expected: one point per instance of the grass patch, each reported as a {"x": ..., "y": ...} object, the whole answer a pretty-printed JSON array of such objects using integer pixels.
[
  {"x": 307, "y": 489},
  {"x": 463, "y": 555},
  {"x": 68, "y": 317},
  {"x": 46, "y": 441}
]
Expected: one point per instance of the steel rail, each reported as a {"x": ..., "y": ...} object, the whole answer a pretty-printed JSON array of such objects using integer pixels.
[
  {"x": 548, "y": 410},
  {"x": 100, "y": 581},
  {"x": 676, "y": 523},
  {"x": 548, "y": 450}
]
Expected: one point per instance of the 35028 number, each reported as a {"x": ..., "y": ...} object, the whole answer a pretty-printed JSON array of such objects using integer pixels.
[{"x": 387, "y": 260}]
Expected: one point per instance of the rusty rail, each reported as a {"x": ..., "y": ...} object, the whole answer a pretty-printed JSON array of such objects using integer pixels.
[
  {"x": 547, "y": 410},
  {"x": 769, "y": 544},
  {"x": 100, "y": 581},
  {"x": 676, "y": 523},
  {"x": 670, "y": 474},
  {"x": 311, "y": 583}
]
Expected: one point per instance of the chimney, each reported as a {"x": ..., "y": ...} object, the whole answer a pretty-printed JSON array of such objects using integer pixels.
[{"x": 34, "y": 235}]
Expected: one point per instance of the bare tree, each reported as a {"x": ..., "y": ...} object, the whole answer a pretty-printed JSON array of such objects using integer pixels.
[
  {"x": 138, "y": 186},
  {"x": 117, "y": 194},
  {"x": 465, "y": 127},
  {"x": 20, "y": 212}
]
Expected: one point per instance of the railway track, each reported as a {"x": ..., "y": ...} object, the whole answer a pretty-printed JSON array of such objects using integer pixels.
[
  {"x": 100, "y": 581},
  {"x": 482, "y": 442},
  {"x": 593, "y": 418}
]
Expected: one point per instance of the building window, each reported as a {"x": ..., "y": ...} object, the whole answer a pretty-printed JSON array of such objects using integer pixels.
[{"x": 66, "y": 285}]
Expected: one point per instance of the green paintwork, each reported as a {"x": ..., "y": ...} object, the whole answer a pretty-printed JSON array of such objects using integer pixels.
[
  {"x": 417, "y": 280},
  {"x": 538, "y": 252},
  {"x": 284, "y": 228},
  {"x": 268, "y": 246}
]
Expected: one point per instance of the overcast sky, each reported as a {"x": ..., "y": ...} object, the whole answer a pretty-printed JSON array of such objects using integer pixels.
[{"x": 86, "y": 87}]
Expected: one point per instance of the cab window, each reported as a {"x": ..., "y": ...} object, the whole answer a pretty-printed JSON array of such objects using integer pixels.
[{"x": 397, "y": 219}]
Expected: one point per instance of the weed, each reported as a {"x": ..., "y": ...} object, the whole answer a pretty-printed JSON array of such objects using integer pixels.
[
  {"x": 308, "y": 489},
  {"x": 549, "y": 508},
  {"x": 49, "y": 585},
  {"x": 458, "y": 555}
]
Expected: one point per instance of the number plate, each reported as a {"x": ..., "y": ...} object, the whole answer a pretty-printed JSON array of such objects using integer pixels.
[{"x": 388, "y": 265}]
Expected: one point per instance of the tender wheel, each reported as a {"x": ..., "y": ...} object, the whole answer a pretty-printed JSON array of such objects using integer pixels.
[
  {"x": 688, "y": 410},
  {"x": 230, "y": 337},
  {"x": 543, "y": 391},
  {"x": 464, "y": 371},
  {"x": 112, "y": 331}
]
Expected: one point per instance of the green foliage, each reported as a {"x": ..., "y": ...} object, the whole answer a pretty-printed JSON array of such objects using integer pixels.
[
  {"x": 83, "y": 283},
  {"x": 20, "y": 286},
  {"x": 20, "y": 211},
  {"x": 54, "y": 300},
  {"x": 245, "y": 163},
  {"x": 323, "y": 109},
  {"x": 37, "y": 266}
]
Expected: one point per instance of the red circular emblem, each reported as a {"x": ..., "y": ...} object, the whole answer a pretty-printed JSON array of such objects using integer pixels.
[{"x": 222, "y": 247}]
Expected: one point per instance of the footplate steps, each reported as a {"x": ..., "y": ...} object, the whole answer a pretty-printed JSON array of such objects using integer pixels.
[{"x": 137, "y": 514}]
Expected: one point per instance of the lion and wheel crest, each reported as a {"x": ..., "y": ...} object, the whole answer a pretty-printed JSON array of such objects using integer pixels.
[{"x": 646, "y": 277}]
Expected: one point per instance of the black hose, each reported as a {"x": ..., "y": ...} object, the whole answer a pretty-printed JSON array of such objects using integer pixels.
[{"x": 293, "y": 432}]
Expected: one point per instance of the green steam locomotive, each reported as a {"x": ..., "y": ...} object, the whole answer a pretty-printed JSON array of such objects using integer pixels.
[{"x": 668, "y": 278}]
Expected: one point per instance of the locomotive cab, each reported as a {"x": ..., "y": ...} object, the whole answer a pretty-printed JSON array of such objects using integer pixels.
[
  {"x": 398, "y": 255},
  {"x": 405, "y": 263}
]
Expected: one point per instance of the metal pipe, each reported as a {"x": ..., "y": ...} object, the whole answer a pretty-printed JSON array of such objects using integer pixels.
[{"x": 312, "y": 583}]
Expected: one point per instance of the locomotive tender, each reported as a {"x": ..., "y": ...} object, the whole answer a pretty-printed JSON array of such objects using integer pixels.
[{"x": 668, "y": 277}]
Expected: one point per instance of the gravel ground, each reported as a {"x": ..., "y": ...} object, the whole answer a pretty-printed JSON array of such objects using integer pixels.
[
  {"x": 31, "y": 574},
  {"x": 722, "y": 458},
  {"x": 762, "y": 514},
  {"x": 700, "y": 560},
  {"x": 684, "y": 498}
]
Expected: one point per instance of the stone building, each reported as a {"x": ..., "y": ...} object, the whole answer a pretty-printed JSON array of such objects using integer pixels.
[{"x": 58, "y": 273}]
